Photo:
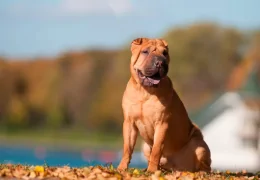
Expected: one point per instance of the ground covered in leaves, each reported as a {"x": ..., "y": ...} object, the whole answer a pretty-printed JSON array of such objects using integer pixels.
[{"x": 109, "y": 172}]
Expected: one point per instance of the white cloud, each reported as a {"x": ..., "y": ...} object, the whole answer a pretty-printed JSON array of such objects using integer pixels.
[
  {"x": 82, "y": 7},
  {"x": 73, "y": 8}
]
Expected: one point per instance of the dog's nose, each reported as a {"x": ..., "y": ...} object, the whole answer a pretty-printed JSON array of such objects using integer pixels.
[{"x": 158, "y": 63}]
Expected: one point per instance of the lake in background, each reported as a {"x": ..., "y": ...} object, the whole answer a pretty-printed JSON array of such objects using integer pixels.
[{"x": 60, "y": 157}]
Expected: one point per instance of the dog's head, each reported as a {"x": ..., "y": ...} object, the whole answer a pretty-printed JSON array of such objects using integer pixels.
[{"x": 149, "y": 61}]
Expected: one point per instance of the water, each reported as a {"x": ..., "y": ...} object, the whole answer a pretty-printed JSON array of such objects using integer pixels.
[{"x": 61, "y": 157}]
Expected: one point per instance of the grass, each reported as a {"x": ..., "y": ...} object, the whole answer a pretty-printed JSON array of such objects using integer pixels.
[
  {"x": 70, "y": 138},
  {"x": 109, "y": 172},
  {"x": 53, "y": 138}
]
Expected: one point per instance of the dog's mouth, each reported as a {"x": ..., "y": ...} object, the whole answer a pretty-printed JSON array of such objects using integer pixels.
[{"x": 149, "y": 80}]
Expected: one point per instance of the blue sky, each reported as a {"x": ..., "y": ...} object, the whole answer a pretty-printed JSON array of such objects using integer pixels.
[{"x": 49, "y": 27}]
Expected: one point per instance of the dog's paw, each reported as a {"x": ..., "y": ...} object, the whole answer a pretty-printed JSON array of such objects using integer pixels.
[
  {"x": 152, "y": 168},
  {"x": 122, "y": 167}
]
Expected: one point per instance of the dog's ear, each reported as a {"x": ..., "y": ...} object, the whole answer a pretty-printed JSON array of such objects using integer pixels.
[
  {"x": 138, "y": 41},
  {"x": 165, "y": 43}
]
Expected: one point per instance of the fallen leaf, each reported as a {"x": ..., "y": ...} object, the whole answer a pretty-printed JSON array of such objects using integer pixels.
[
  {"x": 136, "y": 172},
  {"x": 32, "y": 174},
  {"x": 39, "y": 169}
]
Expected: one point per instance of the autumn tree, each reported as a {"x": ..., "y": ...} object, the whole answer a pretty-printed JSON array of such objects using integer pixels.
[{"x": 202, "y": 56}]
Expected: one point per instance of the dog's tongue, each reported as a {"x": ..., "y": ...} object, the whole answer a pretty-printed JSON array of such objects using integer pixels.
[{"x": 153, "y": 81}]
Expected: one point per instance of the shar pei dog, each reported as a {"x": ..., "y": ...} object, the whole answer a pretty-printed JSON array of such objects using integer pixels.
[{"x": 152, "y": 107}]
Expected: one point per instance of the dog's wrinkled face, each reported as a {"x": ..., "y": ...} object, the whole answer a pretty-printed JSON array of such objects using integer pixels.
[{"x": 149, "y": 62}]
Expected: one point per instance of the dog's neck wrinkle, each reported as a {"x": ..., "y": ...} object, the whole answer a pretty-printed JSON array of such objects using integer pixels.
[{"x": 148, "y": 92}]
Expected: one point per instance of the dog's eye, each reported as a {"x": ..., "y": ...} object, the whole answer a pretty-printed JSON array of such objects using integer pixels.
[
  {"x": 145, "y": 51},
  {"x": 165, "y": 53}
]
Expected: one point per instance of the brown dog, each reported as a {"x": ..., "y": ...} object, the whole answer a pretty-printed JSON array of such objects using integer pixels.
[{"x": 152, "y": 107}]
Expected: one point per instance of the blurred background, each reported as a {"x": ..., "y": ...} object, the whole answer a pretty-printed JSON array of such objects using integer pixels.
[{"x": 64, "y": 67}]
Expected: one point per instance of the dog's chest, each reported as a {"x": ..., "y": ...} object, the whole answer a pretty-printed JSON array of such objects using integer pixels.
[
  {"x": 145, "y": 116},
  {"x": 146, "y": 130}
]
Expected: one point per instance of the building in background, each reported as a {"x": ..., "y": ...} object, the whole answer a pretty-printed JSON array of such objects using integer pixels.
[{"x": 231, "y": 122}]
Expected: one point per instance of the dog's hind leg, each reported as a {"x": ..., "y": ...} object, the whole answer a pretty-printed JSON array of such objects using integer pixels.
[
  {"x": 201, "y": 150},
  {"x": 203, "y": 160}
]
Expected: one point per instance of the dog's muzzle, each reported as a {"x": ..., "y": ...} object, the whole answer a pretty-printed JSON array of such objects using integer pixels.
[{"x": 152, "y": 74}]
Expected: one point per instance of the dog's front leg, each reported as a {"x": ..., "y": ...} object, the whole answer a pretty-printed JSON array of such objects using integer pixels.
[
  {"x": 160, "y": 132},
  {"x": 130, "y": 135}
]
